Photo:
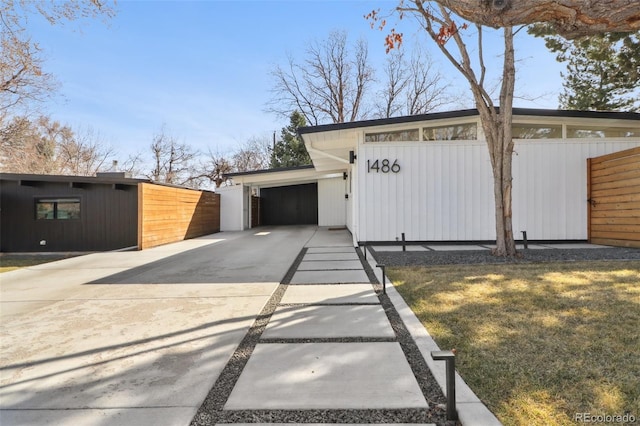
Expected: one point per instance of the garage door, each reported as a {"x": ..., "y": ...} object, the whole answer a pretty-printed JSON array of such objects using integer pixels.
[{"x": 289, "y": 205}]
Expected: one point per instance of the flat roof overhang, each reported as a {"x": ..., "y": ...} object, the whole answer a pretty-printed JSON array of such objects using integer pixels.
[
  {"x": 329, "y": 150},
  {"x": 281, "y": 177}
]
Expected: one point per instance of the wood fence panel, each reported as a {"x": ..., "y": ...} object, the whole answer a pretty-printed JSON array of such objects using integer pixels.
[
  {"x": 167, "y": 214},
  {"x": 614, "y": 198}
]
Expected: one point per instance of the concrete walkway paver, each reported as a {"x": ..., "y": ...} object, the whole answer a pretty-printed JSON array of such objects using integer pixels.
[
  {"x": 330, "y": 277},
  {"x": 338, "y": 249},
  {"x": 330, "y": 294},
  {"x": 341, "y": 255},
  {"x": 328, "y": 265},
  {"x": 309, "y": 322},
  {"x": 399, "y": 248},
  {"x": 325, "y": 376}
]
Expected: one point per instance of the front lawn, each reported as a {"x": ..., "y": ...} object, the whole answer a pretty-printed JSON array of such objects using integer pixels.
[
  {"x": 538, "y": 343},
  {"x": 12, "y": 262}
]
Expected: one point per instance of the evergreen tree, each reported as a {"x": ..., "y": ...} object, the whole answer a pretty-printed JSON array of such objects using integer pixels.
[
  {"x": 603, "y": 70},
  {"x": 290, "y": 150}
]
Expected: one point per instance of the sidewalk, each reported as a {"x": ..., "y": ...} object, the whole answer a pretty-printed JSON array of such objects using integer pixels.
[{"x": 329, "y": 347}]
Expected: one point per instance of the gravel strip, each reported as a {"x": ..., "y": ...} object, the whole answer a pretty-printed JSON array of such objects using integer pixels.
[
  {"x": 331, "y": 340},
  {"x": 370, "y": 416},
  {"x": 427, "y": 258}
]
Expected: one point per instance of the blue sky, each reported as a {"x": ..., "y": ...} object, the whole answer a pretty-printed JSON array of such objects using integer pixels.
[{"x": 202, "y": 67}]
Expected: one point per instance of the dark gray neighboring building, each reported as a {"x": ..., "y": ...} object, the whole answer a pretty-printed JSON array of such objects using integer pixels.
[{"x": 42, "y": 213}]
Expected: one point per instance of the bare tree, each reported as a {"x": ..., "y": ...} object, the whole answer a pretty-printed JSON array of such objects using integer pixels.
[
  {"x": 22, "y": 79},
  {"x": 255, "y": 154},
  {"x": 45, "y": 146},
  {"x": 329, "y": 85},
  {"x": 31, "y": 146},
  {"x": 570, "y": 18},
  {"x": 411, "y": 86},
  {"x": 213, "y": 168},
  {"x": 84, "y": 155},
  {"x": 395, "y": 85},
  {"x": 173, "y": 162}
]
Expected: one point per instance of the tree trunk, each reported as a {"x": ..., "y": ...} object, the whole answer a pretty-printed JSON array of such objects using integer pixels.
[
  {"x": 500, "y": 152},
  {"x": 504, "y": 227},
  {"x": 497, "y": 126}
]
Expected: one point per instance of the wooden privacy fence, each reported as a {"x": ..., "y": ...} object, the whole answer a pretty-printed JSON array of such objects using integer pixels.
[
  {"x": 613, "y": 188},
  {"x": 167, "y": 214}
]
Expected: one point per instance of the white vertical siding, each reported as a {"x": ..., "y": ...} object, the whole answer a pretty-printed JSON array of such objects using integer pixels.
[
  {"x": 444, "y": 190},
  {"x": 231, "y": 207},
  {"x": 349, "y": 189},
  {"x": 550, "y": 186},
  {"x": 332, "y": 207},
  {"x": 431, "y": 198}
]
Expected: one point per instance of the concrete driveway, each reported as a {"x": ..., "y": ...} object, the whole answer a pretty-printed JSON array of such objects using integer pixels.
[{"x": 124, "y": 338}]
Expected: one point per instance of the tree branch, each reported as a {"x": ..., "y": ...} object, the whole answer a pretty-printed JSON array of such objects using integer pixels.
[{"x": 570, "y": 18}]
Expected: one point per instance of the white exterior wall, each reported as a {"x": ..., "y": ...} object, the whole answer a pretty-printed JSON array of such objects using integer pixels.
[
  {"x": 332, "y": 206},
  {"x": 444, "y": 190},
  {"x": 350, "y": 190},
  {"x": 550, "y": 186},
  {"x": 231, "y": 208}
]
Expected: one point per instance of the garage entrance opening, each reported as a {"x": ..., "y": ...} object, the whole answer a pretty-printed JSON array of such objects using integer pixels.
[{"x": 289, "y": 205}]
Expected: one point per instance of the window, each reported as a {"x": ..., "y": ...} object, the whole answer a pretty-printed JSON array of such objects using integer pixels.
[
  {"x": 584, "y": 132},
  {"x": 537, "y": 131},
  {"x": 409, "y": 135},
  {"x": 458, "y": 132},
  {"x": 57, "y": 208}
]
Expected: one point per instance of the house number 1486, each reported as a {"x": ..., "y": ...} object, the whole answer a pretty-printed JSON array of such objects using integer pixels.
[{"x": 383, "y": 166}]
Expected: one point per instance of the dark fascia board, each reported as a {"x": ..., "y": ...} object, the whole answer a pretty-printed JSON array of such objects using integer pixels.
[
  {"x": 82, "y": 181},
  {"x": 21, "y": 177},
  {"x": 469, "y": 113},
  {"x": 257, "y": 172}
]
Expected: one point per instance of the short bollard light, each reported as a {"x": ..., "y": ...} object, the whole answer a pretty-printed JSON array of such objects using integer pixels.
[
  {"x": 384, "y": 279},
  {"x": 450, "y": 358},
  {"x": 524, "y": 239}
]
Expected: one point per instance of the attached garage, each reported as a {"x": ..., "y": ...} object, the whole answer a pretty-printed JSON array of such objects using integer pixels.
[
  {"x": 289, "y": 205},
  {"x": 287, "y": 196}
]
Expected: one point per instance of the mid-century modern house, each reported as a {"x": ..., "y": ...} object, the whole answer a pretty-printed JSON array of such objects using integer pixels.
[
  {"x": 576, "y": 176},
  {"x": 44, "y": 213}
]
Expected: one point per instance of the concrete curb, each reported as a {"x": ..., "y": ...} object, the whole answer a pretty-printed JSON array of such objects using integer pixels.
[{"x": 471, "y": 411}]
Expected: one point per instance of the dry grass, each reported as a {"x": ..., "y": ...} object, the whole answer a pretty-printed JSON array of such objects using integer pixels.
[
  {"x": 12, "y": 262},
  {"x": 538, "y": 343}
]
